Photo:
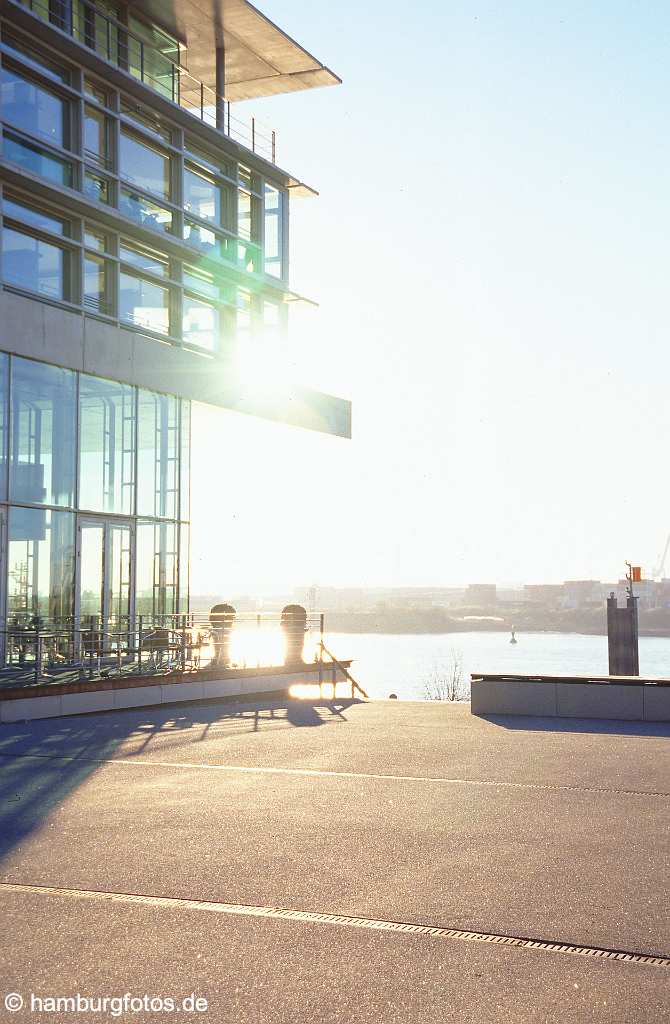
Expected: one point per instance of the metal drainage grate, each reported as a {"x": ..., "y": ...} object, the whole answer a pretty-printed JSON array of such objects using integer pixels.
[{"x": 240, "y": 909}]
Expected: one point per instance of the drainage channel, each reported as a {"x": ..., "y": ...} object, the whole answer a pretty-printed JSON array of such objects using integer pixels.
[{"x": 243, "y": 910}]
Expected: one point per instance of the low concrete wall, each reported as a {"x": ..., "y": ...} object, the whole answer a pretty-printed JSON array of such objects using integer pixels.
[
  {"x": 159, "y": 691},
  {"x": 634, "y": 700}
]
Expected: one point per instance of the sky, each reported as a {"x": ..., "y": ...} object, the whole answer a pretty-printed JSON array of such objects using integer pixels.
[{"x": 490, "y": 252}]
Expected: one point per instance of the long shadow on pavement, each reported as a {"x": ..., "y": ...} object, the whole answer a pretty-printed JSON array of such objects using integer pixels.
[
  {"x": 584, "y": 725},
  {"x": 43, "y": 762}
]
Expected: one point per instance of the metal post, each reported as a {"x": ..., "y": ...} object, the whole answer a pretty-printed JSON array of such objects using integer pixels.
[
  {"x": 139, "y": 645},
  {"x": 274, "y": 146},
  {"x": 253, "y": 134},
  {"x": 220, "y": 88},
  {"x": 320, "y": 654},
  {"x": 202, "y": 101},
  {"x": 183, "y": 643},
  {"x": 38, "y": 655}
]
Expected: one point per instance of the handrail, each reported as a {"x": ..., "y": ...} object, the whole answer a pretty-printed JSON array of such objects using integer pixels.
[
  {"x": 182, "y": 89},
  {"x": 354, "y": 684},
  {"x": 183, "y": 641}
]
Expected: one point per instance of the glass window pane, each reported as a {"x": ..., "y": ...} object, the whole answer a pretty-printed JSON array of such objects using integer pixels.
[
  {"x": 107, "y": 445},
  {"x": 144, "y": 303},
  {"x": 200, "y": 281},
  {"x": 184, "y": 567},
  {"x": 146, "y": 167},
  {"x": 43, "y": 433},
  {"x": 157, "y": 455},
  {"x": 96, "y": 145},
  {"x": 97, "y": 188},
  {"x": 32, "y": 108},
  {"x": 243, "y": 325},
  {"x": 200, "y": 323},
  {"x": 157, "y": 68},
  {"x": 95, "y": 239},
  {"x": 146, "y": 213},
  {"x": 185, "y": 467},
  {"x": 249, "y": 256},
  {"x": 92, "y": 554},
  {"x": 216, "y": 163},
  {"x": 37, "y": 160},
  {"x": 96, "y": 284},
  {"x": 202, "y": 197},
  {"x": 203, "y": 239},
  {"x": 247, "y": 178},
  {"x": 35, "y": 57},
  {"x": 4, "y": 420},
  {"x": 33, "y": 264},
  {"x": 244, "y": 214},
  {"x": 118, "y": 575},
  {"x": 95, "y": 30},
  {"x": 156, "y": 580},
  {"x": 40, "y": 566},
  {"x": 93, "y": 90},
  {"x": 30, "y": 215},
  {"x": 273, "y": 225},
  {"x": 146, "y": 118},
  {"x": 145, "y": 259}
]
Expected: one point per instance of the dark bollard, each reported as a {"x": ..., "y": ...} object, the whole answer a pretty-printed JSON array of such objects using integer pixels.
[
  {"x": 222, "y": 621},
  {"x": 294, "y": 625}
]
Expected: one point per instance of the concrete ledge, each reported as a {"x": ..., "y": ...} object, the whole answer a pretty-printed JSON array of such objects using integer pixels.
[
  {"x": 656, "y": 703},
  {"x": 84, "y": 703},
  {"x": 595, "y": 700},
  {"x": 160, "y": 692},
  {"x": 628, "y": 699},
  {"x": 513, "y": 697}
]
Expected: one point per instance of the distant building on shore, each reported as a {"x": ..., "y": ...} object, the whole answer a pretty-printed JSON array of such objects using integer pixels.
[
  {"x": 582, "y": 593},
  {"x": 550, "y": 594},
  {"x": 481, "y": 595}
]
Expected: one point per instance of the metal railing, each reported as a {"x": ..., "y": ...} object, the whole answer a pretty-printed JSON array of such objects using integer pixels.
[
  {"x": 39, "y": 650},
  {"x": 117, "y": 44},
  {"x": 355, "y": 685}
]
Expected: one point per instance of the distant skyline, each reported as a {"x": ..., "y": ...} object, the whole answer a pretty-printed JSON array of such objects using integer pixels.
[{"x": 490, "y": 251}]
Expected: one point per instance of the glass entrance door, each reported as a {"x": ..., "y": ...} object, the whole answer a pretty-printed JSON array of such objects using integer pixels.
[{"x": 105, "y": 574}]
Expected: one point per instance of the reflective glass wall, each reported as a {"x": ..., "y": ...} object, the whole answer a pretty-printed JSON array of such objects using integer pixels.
[
  {"x": 94, "y": 497},
  {"x": 201, "y": 231}
]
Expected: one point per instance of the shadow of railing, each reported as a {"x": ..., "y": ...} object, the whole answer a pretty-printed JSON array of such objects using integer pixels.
[{"x": 44, "y": 762}]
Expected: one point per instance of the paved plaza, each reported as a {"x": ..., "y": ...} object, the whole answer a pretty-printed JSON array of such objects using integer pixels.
[{"x": 357, "y": 819}]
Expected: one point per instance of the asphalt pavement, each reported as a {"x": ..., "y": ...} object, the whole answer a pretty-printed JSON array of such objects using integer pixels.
[{"x": 382, "y": 814}]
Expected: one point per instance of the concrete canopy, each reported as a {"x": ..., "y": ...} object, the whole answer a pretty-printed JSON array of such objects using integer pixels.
[{"x": 260, "y": 59}]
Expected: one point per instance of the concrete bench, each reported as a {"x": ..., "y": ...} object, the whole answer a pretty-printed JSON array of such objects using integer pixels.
[{"x": 627, "y": 698}]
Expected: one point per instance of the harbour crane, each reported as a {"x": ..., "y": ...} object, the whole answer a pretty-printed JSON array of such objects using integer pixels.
[{"x": 659, "y": 571}]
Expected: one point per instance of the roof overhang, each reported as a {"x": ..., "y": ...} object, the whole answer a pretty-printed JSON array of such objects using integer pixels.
[{"x": 260, "y": 58}]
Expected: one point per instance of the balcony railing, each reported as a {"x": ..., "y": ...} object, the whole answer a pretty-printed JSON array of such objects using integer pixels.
[
  {"x": 39, "y": 650},
  {"x": 118, "y": 45}
]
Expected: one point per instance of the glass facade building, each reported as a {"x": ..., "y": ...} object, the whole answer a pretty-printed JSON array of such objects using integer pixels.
[
  {"x": 143, "y": 257},
  {"x": 95, "y": 494}
]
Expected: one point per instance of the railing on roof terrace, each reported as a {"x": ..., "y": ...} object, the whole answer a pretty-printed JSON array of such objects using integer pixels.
[
  {"x": 115, "y": 43},
  {"x": 37, "y": 648}
]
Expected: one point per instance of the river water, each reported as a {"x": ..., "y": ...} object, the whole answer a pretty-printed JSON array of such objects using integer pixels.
[{"x": 402, "y": 663}]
